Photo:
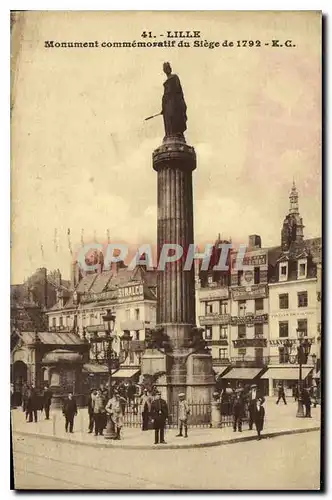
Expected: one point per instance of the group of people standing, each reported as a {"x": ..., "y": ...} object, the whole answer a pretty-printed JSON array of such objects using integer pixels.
[
  {"x": 32, "y": 402},
  {"x": 256, "y": 412},
  {"x": 100, "y": 406}
]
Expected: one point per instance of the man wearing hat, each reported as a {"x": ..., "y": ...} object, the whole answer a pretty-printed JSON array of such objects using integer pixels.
[
  {"x": 238, "y": 410},
  {"x": 259, "y": 417},
  {"x": 159, "y": 412},
  {"x": 253, "y": 396},
  {"x": 183, "y": 415}
]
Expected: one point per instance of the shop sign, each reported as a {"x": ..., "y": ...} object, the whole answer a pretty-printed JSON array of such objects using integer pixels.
[
  {"x": 97, "y": 297},
  {"x": 130, "y": 292},
  {"x": 249, "y": 292},
  {"x": 238, "y": 343},
  {"x": 255, "y": 260},
  {"x": 217, "y": 293}
]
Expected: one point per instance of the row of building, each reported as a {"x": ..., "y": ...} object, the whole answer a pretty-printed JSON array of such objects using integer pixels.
[{"x": 251, "y": 318}]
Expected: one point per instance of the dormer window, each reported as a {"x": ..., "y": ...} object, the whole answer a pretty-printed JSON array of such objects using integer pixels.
[
  {"x": 302, "y": 269},
  {"x": 283, "y": 271}
]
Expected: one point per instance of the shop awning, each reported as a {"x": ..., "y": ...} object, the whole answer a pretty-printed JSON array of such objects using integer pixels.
[
  {"x": 219, "y": 370},
  {"x": 242, "y": 373},
  {"x": 94, "y": 368},
  {"x": 285, "y": 373},
  {"x": 123, "y": 373}
]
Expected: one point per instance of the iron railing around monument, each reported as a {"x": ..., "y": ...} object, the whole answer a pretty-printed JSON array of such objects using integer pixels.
[{"x": 199, "y": 417}]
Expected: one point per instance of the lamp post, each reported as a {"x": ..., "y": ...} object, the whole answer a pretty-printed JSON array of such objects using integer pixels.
[
  {"x": 110, "y": 357},
  {"x": 303, "y": 351}
]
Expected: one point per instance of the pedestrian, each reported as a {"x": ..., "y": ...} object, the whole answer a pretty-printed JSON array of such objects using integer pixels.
[
  {"x": 238, "y": 411},
  {"x": 314, "y": 394},
  {"x": 47, "y": 400},
  {"x": 281, "y": 394},
  {"x": 32, "y": 405},
  {"x": 92, "y": 396},
  {"x": 69, "y": 411},
  {"x": 184, "y": 412},
  {"x": 259, "y": 417},
  {"x": 146, "y": 402},
  {"x": 131, "y": 391},
  {"x": 114, "y": 409},
  {"x": 159, "y": 411},
  {"x": 252, "y": 400},
  {"x": 307, "y": 402},
  {"x": 99, "y": 413}
]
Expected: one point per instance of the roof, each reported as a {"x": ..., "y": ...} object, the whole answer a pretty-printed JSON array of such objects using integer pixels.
[
  {"x": 285, "y": 373},
  {"x": 62, "y": 356},
  {"x": 242, "y": 373},
  {"x": 219, "y": 370},
  {"x": 52, "y": 338}
]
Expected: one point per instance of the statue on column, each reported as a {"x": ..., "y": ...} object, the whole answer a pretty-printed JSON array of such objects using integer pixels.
[{"x": 174, "y": 108}]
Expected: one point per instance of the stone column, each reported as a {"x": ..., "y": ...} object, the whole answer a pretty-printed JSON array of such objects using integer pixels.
[{"x": 174, "y": 161}]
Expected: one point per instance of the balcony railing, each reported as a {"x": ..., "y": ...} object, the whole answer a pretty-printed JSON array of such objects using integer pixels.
[
  {"x": 214, "y": 319},
  {"x": 211, "y": 342},
  {"x": 253, "y": 342},
  {"x": 64, "y": 329},
  {"x": 246, "y": 361}
]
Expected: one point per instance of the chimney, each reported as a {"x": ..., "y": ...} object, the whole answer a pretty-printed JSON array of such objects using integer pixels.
[{"x": 254, "y": 242}]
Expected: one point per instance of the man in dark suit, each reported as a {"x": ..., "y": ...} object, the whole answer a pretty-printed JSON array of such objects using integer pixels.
[
  {"x": 159, "y": 412},
  {"x": 259, "y": 417},
  {"x": 281, "y": 394},
  {"x": 32, "y": 405},
  {"x": 69, "y": 411},
  {"x": 238, "y": 410},
  {"x": 92, "y": 396},
  {"x": 47, "y": 399}
]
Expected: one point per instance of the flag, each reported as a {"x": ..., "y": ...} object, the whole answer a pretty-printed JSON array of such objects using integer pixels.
[{"x": 69, "y": 242}]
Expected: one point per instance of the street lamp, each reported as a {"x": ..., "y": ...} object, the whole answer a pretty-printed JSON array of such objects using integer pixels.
[
  {"x": 303, "y": 351},
  {"x": 106, "y": 354}
]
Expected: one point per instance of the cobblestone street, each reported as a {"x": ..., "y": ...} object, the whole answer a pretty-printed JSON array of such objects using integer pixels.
[{"x": 286, "y": 462}]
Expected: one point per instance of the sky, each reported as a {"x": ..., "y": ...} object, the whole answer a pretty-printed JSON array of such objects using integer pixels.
[{"x": 82, "y": 152}]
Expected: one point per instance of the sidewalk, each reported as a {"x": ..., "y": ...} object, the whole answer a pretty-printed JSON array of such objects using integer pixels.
[{"x": 280, "y": 420}]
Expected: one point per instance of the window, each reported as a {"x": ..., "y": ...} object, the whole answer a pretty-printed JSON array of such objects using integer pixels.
[
  {"x": 131, "y": 357},
  {"x": 283, "y": 272},
  {"x": 54, "y": 322},
  {"x": 259, "y": 305},
  {"x": 302, "y": 299},
  {"x": 127, "y": 313},
  {"x": 242, "y": 352},
  {"x": 241, "y": 331},
  {"x": 302, "y": 327},
  {"x": 256, "y": 275},
  {"x": 91, "y": 319},
  {"x": 223, "y": 307},
  {"x": 283, "y": 328},
  {"x": 210, "y": 280},
  {"x": 137, "y": 335},
  {"x": 242, "y": 307},
  {"x": 208, "y": 332},
  {"x": 208, "y": 307},
  {"x": 136, "y": 313},
  {"x": 223, "y": 333},
  {"x": 283, "y": 301},
  {"x": 259, "y": 330},
  {"x": 61, "y": 321},
  {"x": 222, "y": 353},
  {"x": 302, "y": 270},
  {"x": 239, "y": 277}
]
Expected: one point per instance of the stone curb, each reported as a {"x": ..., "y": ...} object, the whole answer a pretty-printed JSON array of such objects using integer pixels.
[{"x": 124, "y": 446}]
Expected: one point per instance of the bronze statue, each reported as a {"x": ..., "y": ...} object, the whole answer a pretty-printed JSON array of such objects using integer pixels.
[{"x": 174, "y": 108}]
